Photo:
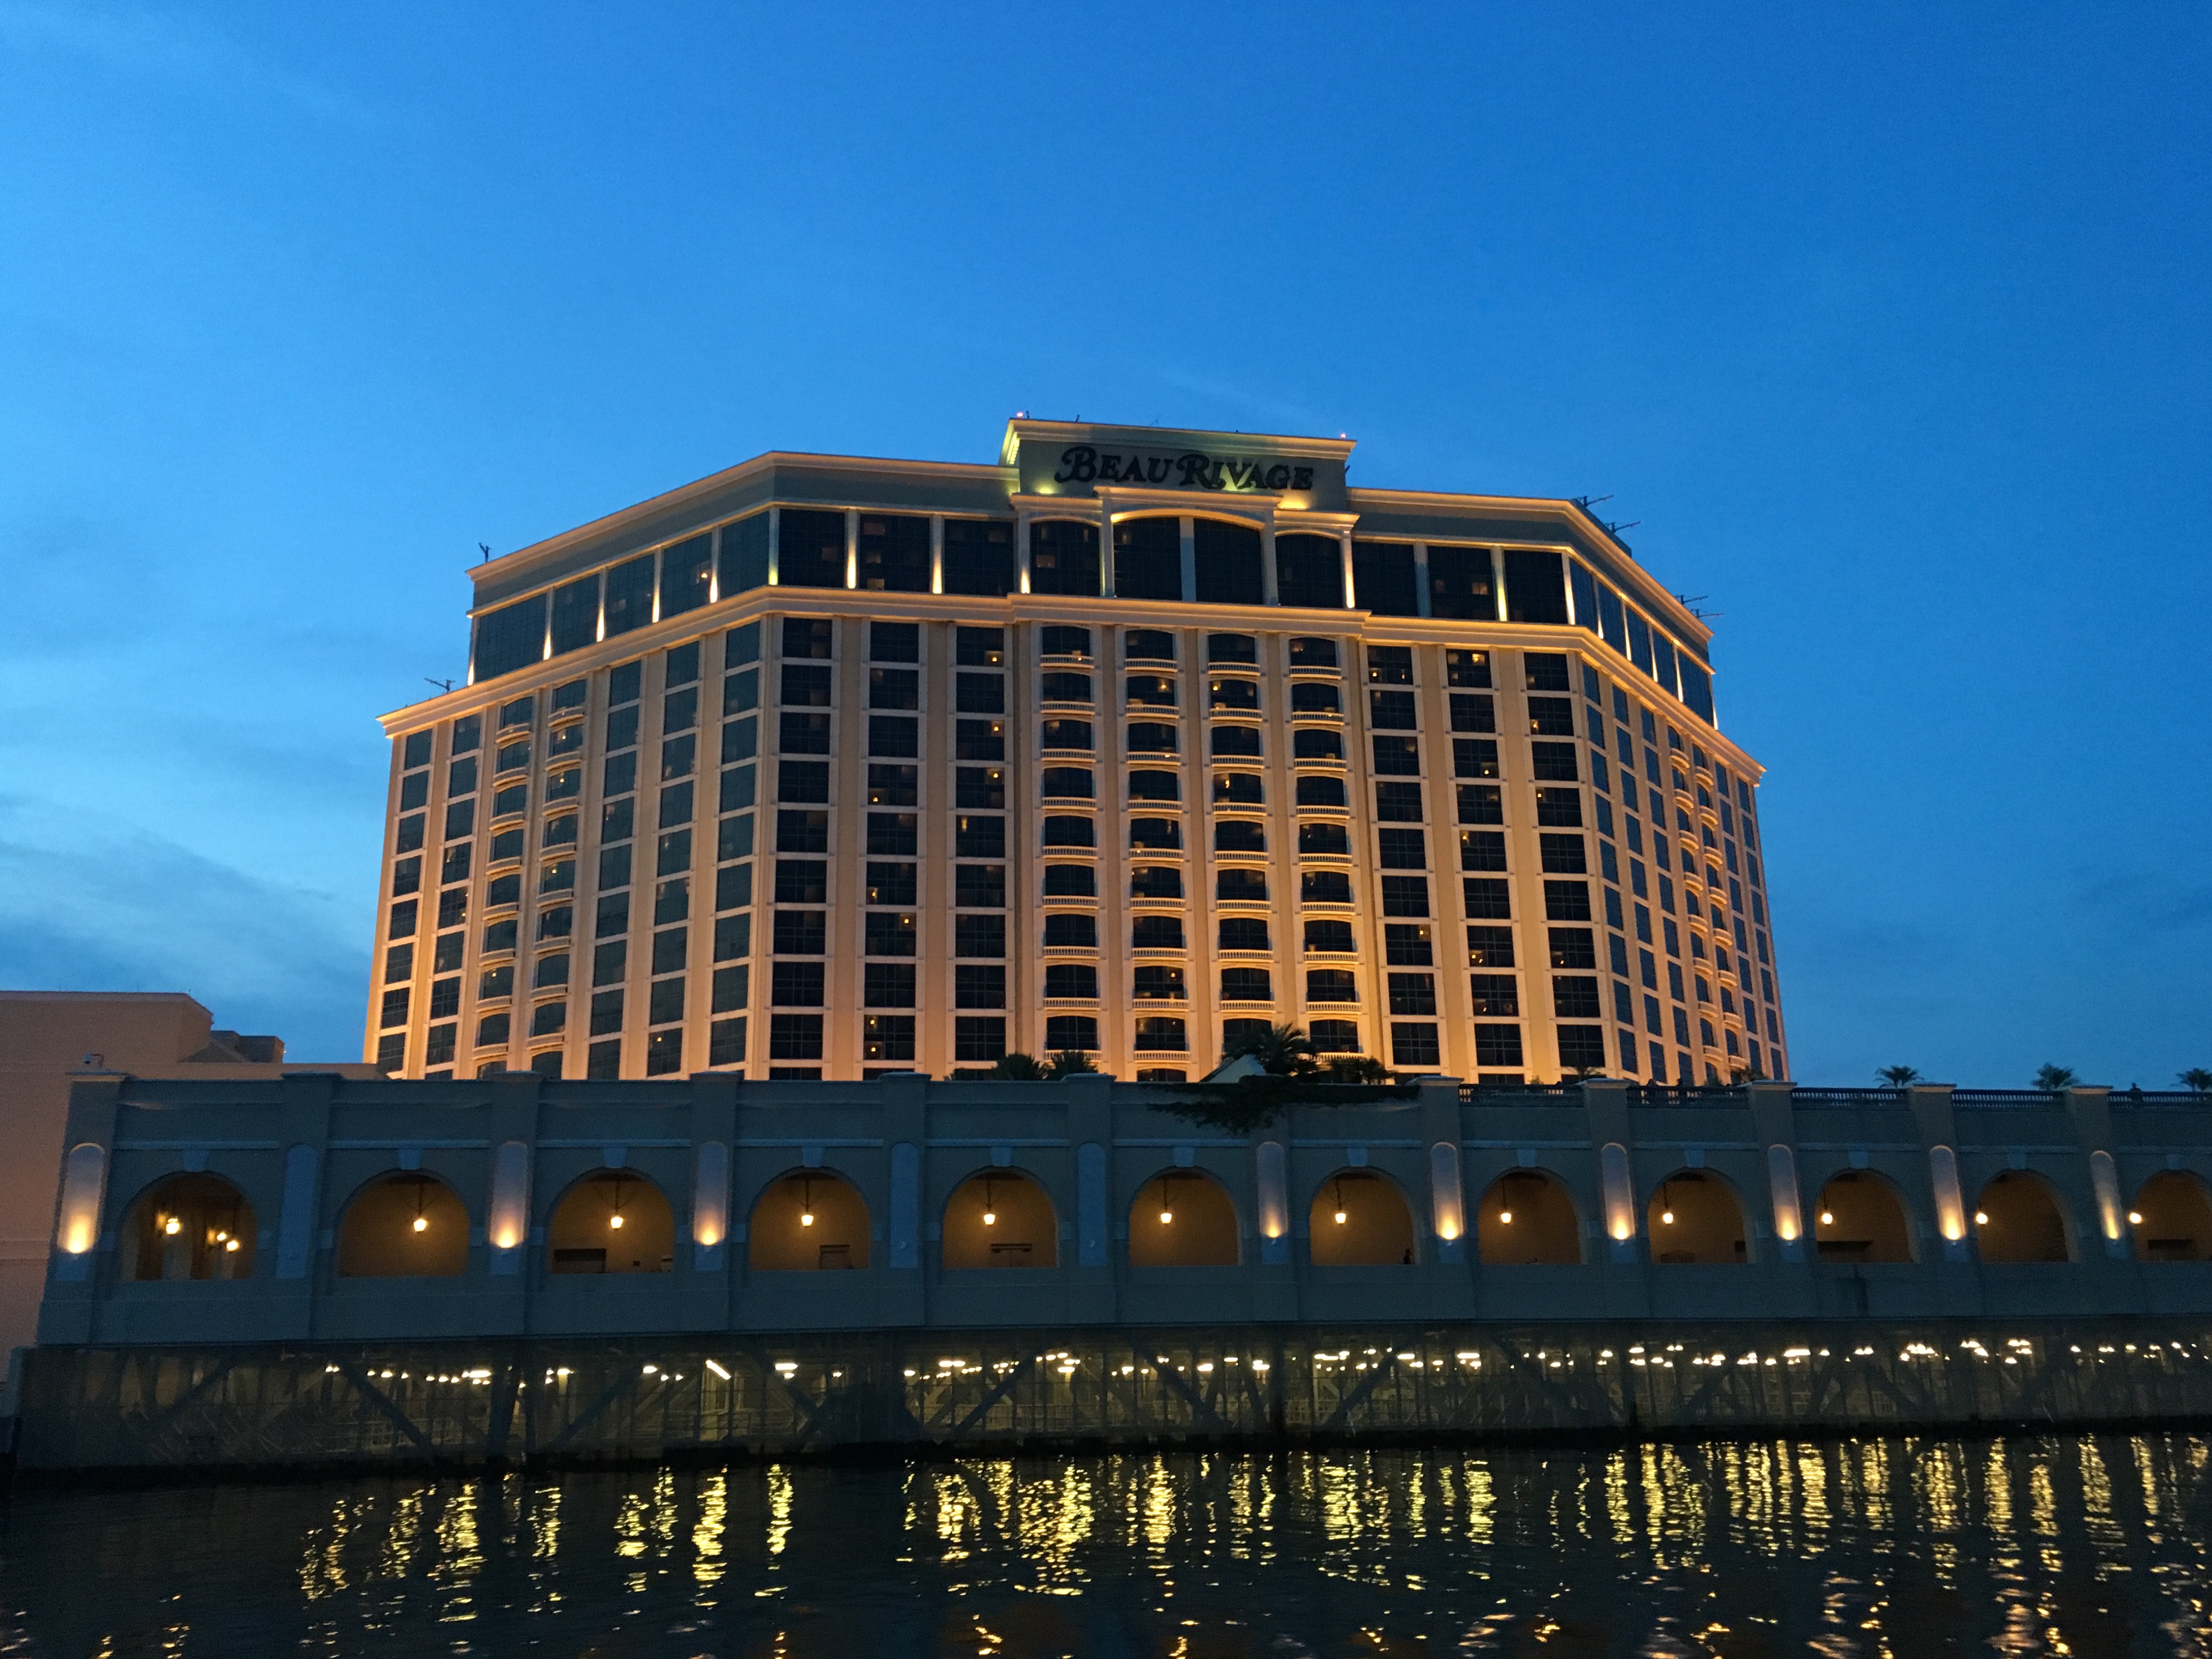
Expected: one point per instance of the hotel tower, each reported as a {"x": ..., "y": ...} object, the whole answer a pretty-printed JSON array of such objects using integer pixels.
[{"x": 1132, "y": 743}]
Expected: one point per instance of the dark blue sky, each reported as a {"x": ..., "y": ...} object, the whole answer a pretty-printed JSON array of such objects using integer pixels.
[{"x": 1887, "y": 322}]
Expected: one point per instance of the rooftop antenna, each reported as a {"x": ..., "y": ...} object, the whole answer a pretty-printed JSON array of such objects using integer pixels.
[
  {"x": 1690, "y": 604},
  {"x": 485, "y": 547},
  {"x": 443, "y": 685}
]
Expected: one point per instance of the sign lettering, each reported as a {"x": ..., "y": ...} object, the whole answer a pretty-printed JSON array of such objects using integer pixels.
[{"x": 1083, "y": 463}]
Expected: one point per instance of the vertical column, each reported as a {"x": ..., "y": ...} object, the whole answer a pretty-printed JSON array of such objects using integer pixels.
[
  {"x": 1268, "y": 593},
  {"x": 1105, "y": 548},
  {"x": 1189, "y": 558},
  {"x": 1498, "y": 581},
  {"x": 775, "y": 561},
  {"x": 852, "y": 547},
  {"x": 1421, "y": 590},
  {"x": 1344, "y": 540},
  {"x": 937, "y": 552},
  {"x": 1931, "y": 1111},
  {"x": 1022, "y": 550}
]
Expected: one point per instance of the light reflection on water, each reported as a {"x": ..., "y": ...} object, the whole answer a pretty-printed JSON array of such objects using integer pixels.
[{"x": 2089, "y": 1546}]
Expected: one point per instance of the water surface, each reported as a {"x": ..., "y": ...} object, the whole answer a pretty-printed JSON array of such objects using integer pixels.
[{"x": 2086, "y": 1546}]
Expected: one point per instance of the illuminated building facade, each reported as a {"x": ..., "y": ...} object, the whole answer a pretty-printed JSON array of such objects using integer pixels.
[{"x": 1138, "y": 740}]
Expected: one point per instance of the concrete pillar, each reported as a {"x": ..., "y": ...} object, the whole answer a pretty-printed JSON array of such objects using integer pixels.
[
  {"x": 1931, "y": 1111},
  {"x": 1774, "y": 1122}
]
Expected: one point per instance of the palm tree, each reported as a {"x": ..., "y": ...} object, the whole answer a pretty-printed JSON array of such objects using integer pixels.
[
  {"x": 2051, "y": 1079},
  {"x": 1281, "y": 1050},
  {"x": 1070, "y": 1061},
  {"x": 1018, "y": 1068},
  {"x": 1355, "y": 1068},
  {"x": 2196, "y": 1080},
  {"x": 1899, "y": 1076}
]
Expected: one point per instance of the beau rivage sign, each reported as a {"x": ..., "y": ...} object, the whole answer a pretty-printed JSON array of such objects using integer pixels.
[{"x": 1052, "y": 466}]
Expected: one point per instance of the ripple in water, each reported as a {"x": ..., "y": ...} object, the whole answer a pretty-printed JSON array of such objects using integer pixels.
[{"x": 2089, "y": 1546}]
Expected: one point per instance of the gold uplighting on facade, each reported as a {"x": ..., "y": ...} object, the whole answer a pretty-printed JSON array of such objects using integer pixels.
[{"x": 1134, "y": 744}]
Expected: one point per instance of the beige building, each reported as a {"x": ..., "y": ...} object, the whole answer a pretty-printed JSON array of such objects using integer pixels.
[
  {"x": 51, "y": 1039},
  {"x": 826, "y": 767}
]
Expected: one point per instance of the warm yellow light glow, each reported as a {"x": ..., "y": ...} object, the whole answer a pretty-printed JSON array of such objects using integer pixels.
[
  {"x": 2135, "y": 1217},
  {"x": 1981, "y": 1217},
  {"x": 1667, "y": 1217},
  {"x": 1340, "y": 1218},
  {"x": 230, "y": 1244},
  {"x": 990, "y": 1218},
  {"x": 1505, "y": 1217},
  {"x": 421, "y": 1223},
  {"x": 172, "y": 1227},
  {"x": 1166, "y": 1216},
  {"x": 614, "y": 1221},
  {"x": 806, "y": 1219},
  {"x": 1827, "y": 1218},
  {"x": 220, "y": 1234}
]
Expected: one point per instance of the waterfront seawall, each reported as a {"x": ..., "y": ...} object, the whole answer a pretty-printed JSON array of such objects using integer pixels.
[{"x": 157, "y": 1411}]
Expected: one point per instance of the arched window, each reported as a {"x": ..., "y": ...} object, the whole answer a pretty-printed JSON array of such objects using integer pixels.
[
  {"x": 1694, "y": 1218},
  {"x": 1860, "y": 1218},
  {"x": 1528, "y": 1218},
  {"x": 1000, "y": 1218},
  {"x": 1359, "y": 1220},
  {"x": 807, "y": 1221},
  {"x": 612, "y": 1221},
  {"x": 1183, "y": 1219},
  {"x": 408, "y": 1225},
  {"x": 192, "y": 1226},
  {"x": 2017, "y": 1219},
  {"x": 2172, "y": 1220}
]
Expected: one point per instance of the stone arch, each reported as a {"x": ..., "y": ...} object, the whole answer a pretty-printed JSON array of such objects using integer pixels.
[
  {"x": 807, "y": 1221},
  {"x": 1000, "y": 1218},
  {"x": 1183, "y": 1218},
  {"x": 404, "y": 1223},
  {"x": 191, "y": 1226},
  {"x": 2171, "y": 1218},
  {"x": 1359, "y": 1218},
  {"x": 1696, "y": 1219},
  {"x": 2018, "y": 1218},
  {"x": 612, "y": 1221},
  {"x": 1528, "y": 1218},
  {"x": 1860, "y": 1217}
]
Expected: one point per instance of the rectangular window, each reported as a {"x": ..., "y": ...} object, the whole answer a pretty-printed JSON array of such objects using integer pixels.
[
  {"x": 732, "y": 989},
  {"x": 794, "y": 1036},
  {"x": 887, "y": 1037},
  {"x": 1404, "y": 896},
  {"x": 725, "y": 1041},
  {"x": 1398, "y": 803},
  {"x": 979, "y": 886},
  {"x": 802, "y": 881},
  {"x": 1496, "y": 995},
  {"x": 980, "y": 1039},
  {"x": 803, "y": 734},
  {"x": 980, "y": 740},
  {"x": 978, "y": 986},
  {"x": 893, "y": 834},
  {"x": 733, "y": 936},
  {"x": 1391, "y": 711},
  {"x": 893, "y": 735},
  {"x": 887, "y": 984},
  {"x": 888, "y": 933},
  {"x": 979, "y": 936},
  {"x": 733, "y": 887},
  {"x": 1412, "y": 993},
  {"x": 1481, "y": 802},
  {"x": 1554, "y": 763},
  {"x": 892, "y": 883},
  {"x": 1490, "y": 947},
  {"x": 1401, "y": 849},
  {"x": 802, "y": 832},
  {"x": 1400, "y": 756},
  {"x": 1563, "y": 855},
  {"x": 797, "y": 984},
  {"x": 801, "y": 933},
  {"x": 1488, "y": 898},
  {"x": 1413, "y": 1045},
  {"x": 1497, "y": 1046},
  {"x": 979, "y": 837},
  {"x": 803, "y": 781},
  {"x": 1482, "y": 849},
  {"x": 1567, "y": 901}
]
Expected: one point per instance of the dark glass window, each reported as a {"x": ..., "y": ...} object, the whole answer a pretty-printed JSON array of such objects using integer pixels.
[
  {"x": 979, "y": 557},
  {"x": 1150, "y": 738},
  {"x": 1243, "y": 933},
  {"x": 1391, "y": 711},
  {"x": 979, "y": 936},
  {"x": 1331, "y": 984},
  {"x": 978, "y": 1037},
  {"x": 1321, "y": 791},
  {"x": 1246, "y": 985},
  {"x": 743, "y": 558},
  {"x": 887, "y": 985},
  {"x": 732, "y": 989},
  {"x": 802, "y": 832},
  {"x": 1324, "y": 887},
  {"x": 686, "y": 573},
  {"x": 1404, "y": 896},
  {"x": 978, "y": 986},
  {"x": 1481, "y": 849},
  {"x": 1070, "y": 832},
  {"x": 1398, "y": 803},
  {"x": 981, "y": 694},
  {"x": 888, "y": 933},
  {"x": 1574, "y": 997},
  {"x": 794, "y": 1036},
  {"x": 893, "y": 688},
  {"x": 1414, "y": 1043},
  {"x": 1148, "y": 645},
  {"x": 1401, "y": 849},
  {"x": 1155, "y": 983},
  {"x": 1309, "y": 572},
  {"x": 810, "y": 548},
  {"x": 893, "y": 834},
  {"x": 514, "y": 637},
  {"x": 1564, "y": 855},
  {"x": 1316, "y": 743},
  {"x": 806, "y": 637},
  {"x": 1160, "y": 833},
  {"x": 576, "y": 615},
  {"x": 802, "y": 881},
  {"x": 1535, "y": 587},
  {"x": 1382, "y": 579},
  {"x": 1407, "y": 944},
  {"x": 1161, "y": 881},
  {"x": 892, "y": 734},
  {"x": 1412, "y": 993},
  {"x": 980, "y": 740},
  {"x": 803, "y": 781},
  {"x": 980, "y": 837},
  {"x": 1551, "y": 717},
  {"x": 1063, "y": 557},
  {"x": 893, "y": 785},
  {"x": 1241, "y": 886},
  {"x": 1070, "y": 881},
  {"x": 1396, "y": 757},
  {"x": 1156, "y": 933},
  {"x": 1567, "y": 901},
  {"x": 1487, "y": 897},
  {"x": 1148, "y": 558},
  {"x": 1235, "y": 742},
  {"x": 1329, "y": 936},
  {"x": 1228, "y": 558},
  {"x": 798, "y": 984},
  {"x": 1459, "y": 583},
  {"x": 1572, "y": 947},
  {"x": 1496, "y": 995},
  {"x": 1066, "y": 1032},
  {"x": 892, "y": 883},
  {"x": 894, "y": 554},
  {"x": 1490, "y": 947},
  {"x": 1066, "y": 930},
  {"x": 979, "y": 886},
  {"x": 805, "y": 686}
]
